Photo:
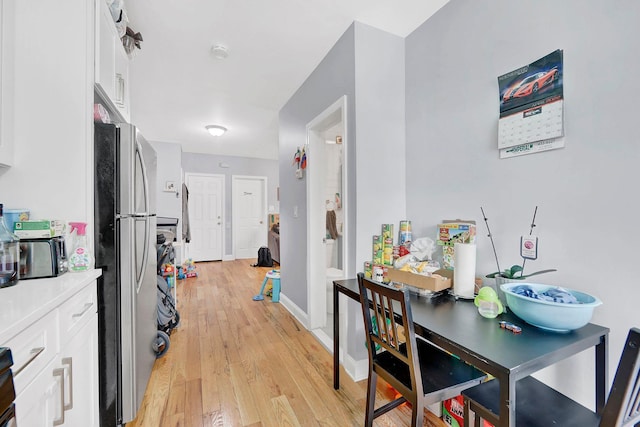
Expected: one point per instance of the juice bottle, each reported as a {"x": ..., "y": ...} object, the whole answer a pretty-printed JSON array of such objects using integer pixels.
[{"x": 81, "y": 258}]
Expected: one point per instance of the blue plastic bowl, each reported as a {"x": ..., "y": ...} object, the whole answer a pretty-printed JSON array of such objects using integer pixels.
[{"x": 552, "y": 316}]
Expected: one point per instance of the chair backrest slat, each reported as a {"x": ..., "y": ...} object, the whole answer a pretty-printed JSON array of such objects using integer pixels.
[
  {"x": 391, "y": 311},
  {"x": 623, "y": 405},
  {"x": 634, "y": 403}
]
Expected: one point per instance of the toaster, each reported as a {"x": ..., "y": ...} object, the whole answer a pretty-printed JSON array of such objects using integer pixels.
[{"x": 42, "y": 257}]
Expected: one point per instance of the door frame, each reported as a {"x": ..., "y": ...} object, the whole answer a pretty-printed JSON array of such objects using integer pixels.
[
  {"x": 234, "y": 213},
  {"x": 222, "y": 177},
  {"x": 316, "y": 248}
]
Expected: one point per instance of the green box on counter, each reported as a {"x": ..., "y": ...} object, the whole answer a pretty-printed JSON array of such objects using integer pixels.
[{"x": 38, "y": 229}]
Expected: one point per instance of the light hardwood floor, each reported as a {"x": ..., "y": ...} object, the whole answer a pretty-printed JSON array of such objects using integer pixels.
[{"x": 238, "y": 362}]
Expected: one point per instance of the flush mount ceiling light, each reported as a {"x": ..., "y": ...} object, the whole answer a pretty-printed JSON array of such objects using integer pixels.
[
  {"x": 216, "y": 130},
  {"x": 219, "y": 51}
]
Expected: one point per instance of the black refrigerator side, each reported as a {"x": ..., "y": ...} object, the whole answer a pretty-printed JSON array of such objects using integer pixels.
[{"x": 106, "y": 228}]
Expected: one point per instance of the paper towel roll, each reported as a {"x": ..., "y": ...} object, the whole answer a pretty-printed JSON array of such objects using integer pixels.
[{"x": 464, "y": 269}]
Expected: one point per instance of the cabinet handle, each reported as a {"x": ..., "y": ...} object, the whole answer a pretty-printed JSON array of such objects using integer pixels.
[
  {"x": 69, "y": 361},
  {"x": 35, "y": 352},
  {"x": 59, "y": 372},
  {"x": 86, "y": 307},
  {"x": 119, "y": 89}
]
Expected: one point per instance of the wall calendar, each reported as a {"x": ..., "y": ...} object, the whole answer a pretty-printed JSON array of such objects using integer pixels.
[{"x": 531, "y": 107}]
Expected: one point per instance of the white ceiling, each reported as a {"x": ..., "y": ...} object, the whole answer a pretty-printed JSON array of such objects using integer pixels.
[{"x": 178, "y": 87}]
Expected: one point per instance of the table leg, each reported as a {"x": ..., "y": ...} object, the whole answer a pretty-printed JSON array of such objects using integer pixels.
[
  {"x": 336, "y": 340},
  {"x": 602, "y": 364},
  {"x": 507, "y": 402}
]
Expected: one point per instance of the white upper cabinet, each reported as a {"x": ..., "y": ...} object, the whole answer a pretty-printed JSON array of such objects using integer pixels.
[
  {"x": 6, "y": 137},
  {"x": 111, "y": 61}
]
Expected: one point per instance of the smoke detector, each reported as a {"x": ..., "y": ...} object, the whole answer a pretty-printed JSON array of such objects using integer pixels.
[{"x": 219, "y": 51}]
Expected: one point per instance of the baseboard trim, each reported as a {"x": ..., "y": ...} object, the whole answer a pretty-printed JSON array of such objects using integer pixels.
[{"x": 358, "y": 370}]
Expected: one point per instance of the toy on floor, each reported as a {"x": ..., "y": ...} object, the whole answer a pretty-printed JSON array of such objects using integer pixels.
[
  {"x": 187, "y": 270},
  {"x": 272, "y": 289},
  {"x": 190, "y": 268}
]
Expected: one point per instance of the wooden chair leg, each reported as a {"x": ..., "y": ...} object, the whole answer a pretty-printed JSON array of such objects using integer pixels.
[
  {"x": 371, "y": 399},
  {"x": 417, "y": 416}
]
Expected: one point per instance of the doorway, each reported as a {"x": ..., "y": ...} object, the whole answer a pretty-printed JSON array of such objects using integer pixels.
[
  {"x": 249, "y": 201},
  {"x": 206, "y": 216},
  {"x": 327, "y": 206}
]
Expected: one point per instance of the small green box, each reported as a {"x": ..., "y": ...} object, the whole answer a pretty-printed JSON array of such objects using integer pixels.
[
  {"x": 38, "y": 229},
  {"x": 33, "y": 225}
]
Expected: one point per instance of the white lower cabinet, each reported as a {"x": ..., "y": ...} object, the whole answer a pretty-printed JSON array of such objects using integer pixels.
[
  {"x": 56, "y": 366},
  {"x": 80, "y": 364},
  {"x": 39, "y": 403}
]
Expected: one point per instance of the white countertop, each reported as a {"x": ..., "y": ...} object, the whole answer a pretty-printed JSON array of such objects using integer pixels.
[{"x": 29, "y": 300}]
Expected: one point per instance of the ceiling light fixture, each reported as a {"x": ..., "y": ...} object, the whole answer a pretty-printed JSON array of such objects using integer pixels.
[
  {"x": 219, "y": 51},
  {"x": 216, "y": 130}
]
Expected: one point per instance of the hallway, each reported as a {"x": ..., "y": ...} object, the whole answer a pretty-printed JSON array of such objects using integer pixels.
[{"x": 238, "y": 362}]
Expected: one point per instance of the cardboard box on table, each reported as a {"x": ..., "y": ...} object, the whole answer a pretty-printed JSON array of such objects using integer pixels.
[{"x": 440, "y": 280}]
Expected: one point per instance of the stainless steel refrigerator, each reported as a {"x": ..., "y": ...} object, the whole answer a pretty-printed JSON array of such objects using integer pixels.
[{"x": 125, "y": 237}]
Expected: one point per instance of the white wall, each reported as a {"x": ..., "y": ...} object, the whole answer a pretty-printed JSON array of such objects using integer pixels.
[
  {"x": 366, "y": 65},
  {"x": 169, "y": 203},
  {"x": 380, "y": 113},
  {"x": 333, "y": 78},
  {"x": 584, "y": 192},
  {"x": 380, "y": 195}
]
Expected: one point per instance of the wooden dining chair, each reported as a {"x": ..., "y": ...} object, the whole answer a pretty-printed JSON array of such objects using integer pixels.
[
  {"x": 539, "y": 405},
  {"x": 422, "y": 373}
]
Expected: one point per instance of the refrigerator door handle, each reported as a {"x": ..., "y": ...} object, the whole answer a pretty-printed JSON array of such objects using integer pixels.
[
  {"x": 145, "y": 179},
  {"x": 145, "y": 254},
  {"x": 147, "y": 224}
]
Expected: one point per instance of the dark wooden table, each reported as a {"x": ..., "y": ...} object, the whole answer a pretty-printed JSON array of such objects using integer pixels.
[{"x": 456, "y": 326}]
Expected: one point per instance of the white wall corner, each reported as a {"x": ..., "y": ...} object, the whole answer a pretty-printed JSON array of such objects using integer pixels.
[
  {"x": 358, "y": 370},
  {"x": 296, "y": 311}
]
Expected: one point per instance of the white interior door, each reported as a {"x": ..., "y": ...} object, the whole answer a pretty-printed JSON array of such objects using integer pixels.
[
  {"x": 206, "y": 219},
  {"x": 249, "y": 215}
]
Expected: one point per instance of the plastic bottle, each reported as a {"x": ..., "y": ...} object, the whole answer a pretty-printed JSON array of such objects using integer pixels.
[
  {"x": 9, "y": 255},
  {"x": 81, "y": 258}
]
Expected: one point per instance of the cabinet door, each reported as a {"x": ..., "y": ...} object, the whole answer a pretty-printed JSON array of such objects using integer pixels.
[
  {"x": 3, "y": 160},
  {"x": 79, "y": 360},
  {"x": 40, "y": 403},
  {"x": 6, "y": 90},
  {"x": 121, "y": 97},
  {"x": 106, "y": 37},
  {"x": 111, "y": 61}
]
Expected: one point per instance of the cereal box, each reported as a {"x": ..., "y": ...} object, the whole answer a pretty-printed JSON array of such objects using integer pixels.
[
  {"x": 451, "y": 232},
  {"x": 458, "y": 231}
]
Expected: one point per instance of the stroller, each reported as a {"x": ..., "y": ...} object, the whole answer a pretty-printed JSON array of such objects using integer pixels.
[{"x": 168, "y": 316}]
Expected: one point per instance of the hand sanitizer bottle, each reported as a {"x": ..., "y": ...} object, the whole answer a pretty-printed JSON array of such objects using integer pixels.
[{"x": 81, "y": 258}]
